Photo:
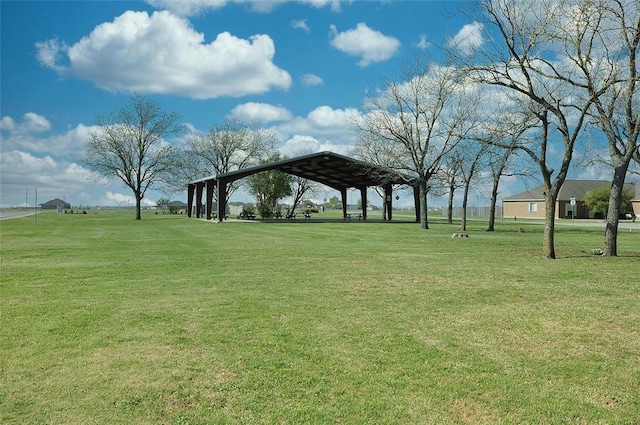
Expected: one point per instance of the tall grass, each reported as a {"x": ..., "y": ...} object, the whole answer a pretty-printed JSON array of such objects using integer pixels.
[{"x": 170, "y": 320}]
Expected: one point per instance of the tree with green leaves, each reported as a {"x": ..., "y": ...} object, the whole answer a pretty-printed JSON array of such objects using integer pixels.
[
  {"x": 131, "y": 145},
  {"x": 268, "y": 187},
  {"x": 163, "y": 203},
  {"x": 598, "y": 201}
]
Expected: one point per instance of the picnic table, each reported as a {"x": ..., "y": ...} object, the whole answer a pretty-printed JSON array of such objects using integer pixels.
[
  {"x": 348, "y": 215},
  {"x": 307, "y": 215}
]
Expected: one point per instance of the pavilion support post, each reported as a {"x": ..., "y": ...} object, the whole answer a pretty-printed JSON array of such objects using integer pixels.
[
  {"x": 222, "y": 198},
  {"x": 388, "y": 201},
  {"x": 343, "y": 192},
  {"x": 190, "y": 189},
  {"x": 363, "y": 200},
  {"x": 210, "y": 189},
  {"x": 418, "y": 206},
  {"x": 199, "y": 187}
]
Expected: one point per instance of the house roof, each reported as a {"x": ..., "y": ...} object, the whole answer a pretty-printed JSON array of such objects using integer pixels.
[
  {"x": 328, "y": 168},
  {"x": 54, "y": 203},
  {"x": 570, "y": 189},
  {"x": 177, "y": 204}
]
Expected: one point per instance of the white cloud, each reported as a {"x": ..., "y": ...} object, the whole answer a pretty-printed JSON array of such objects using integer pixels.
[
  {"x": 468, "y": 38},
  {"x": 370, "y": 45},
  {"x": 7, "y": 124},
  {"x": 188, "y": 7},
  {"x": 24, "y": 171},
  {"x": 162, "y": 53},
  {"x": 197, "y": 7},
  {"x": 262, "y": 112},
  {"x": 333, "y": 4},
  {"x": 22, "y": 137},
  {"x": 31, "y": 123},
  {"x": 120, "y": 200},
  {"x": 311, "y": 80},
  {"x": 300, "y": 24},
  {"x": 50, "y": 52},
  {"x": 304, "y": 144},
  {"x": 322, "y": 121},
  {"x": 423, "y": 43},
  {"x": 324, "y": 127}
]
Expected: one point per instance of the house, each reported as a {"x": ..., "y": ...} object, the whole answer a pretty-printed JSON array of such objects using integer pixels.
[
  {"x": 635, "y": 202},
  {"x": 530, "y": 203},
  {"x": 55, "y": 204},
  {"x": 176, "y": 207}
]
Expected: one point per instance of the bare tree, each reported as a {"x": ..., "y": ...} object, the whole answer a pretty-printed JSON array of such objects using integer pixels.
[
  {"x": 450, "y": 176},
  {"x": 412, "y": 125},
  {"x": 605, "y": 36},
  {"x": 302, "y": 187},
  {"x": 519, "y": 58},
  {"x": 130, "y": 145},
  {"x": 472, "y": 155},
  {"x": 231, "y": 146}
]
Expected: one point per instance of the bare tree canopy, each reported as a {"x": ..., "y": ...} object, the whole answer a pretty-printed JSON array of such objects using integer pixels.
[
  {"x": 131, "y": 145},
  {"x": 413, "y": 124},
  {"x": 231, "y": 146},
  {"x": 528, "y": 54},
  {"x": 608, "y": 70}
]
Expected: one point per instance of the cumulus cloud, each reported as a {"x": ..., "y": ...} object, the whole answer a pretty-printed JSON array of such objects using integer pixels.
[
  {"x": 24, "y": 170},
  {"x": 468, "y": 38},
  {"x": 31, "y": 123},
  {"x": 261, "y": 112},
  {"x": 311, "y": 80},
  {"x": 304, "y": 144},
  {"x": 329, "y": 126},
  {"x": 162, "y": 53},
  {"x": 368, "y": 44},
  {"x": 23, "y": 136}
]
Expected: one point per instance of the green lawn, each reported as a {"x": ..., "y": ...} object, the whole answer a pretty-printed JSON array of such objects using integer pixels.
[{"x": 169, "y": 320}]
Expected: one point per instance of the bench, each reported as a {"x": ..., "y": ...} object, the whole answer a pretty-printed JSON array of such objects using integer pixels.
[{"x": 307, "y": 216}]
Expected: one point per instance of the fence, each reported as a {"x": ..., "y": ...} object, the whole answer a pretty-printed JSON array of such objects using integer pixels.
[{"x": 475, "y": 211}]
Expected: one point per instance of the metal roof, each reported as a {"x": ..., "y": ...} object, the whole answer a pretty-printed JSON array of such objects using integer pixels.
[{"x": 331, "y": 169}]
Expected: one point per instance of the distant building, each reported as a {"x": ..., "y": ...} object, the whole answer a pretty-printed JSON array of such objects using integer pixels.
[
  {"x": 176, "y": 207},
  {"x": 55, "y": 204},
  {"x": 530, "y": 203},
  {"x": 635, "y": 202}
]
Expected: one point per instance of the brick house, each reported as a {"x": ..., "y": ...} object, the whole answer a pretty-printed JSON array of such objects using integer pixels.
[{"x": 530, "y": 203}]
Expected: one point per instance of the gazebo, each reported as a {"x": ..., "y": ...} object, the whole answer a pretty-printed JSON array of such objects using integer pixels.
[{"x": 336, "y": 171}]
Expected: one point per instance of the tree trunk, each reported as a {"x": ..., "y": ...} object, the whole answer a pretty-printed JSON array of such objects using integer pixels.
[
  {"x": 613, "y": 214},
  {"x": 424, "y": 224},
  {"x": 465, "y": 198},
  {"x": 548, "y": 244},
  {"x": 450, "y": 206},
  {"x": 492, "y": 207},
  {"x": 138, "y": 204}
]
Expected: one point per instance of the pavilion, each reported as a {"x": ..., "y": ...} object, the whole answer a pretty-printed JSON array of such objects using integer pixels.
[{"x": 336, "y": 171}]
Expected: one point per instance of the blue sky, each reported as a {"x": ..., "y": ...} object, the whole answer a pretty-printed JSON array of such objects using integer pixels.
[{"x": 301, "y": 67}]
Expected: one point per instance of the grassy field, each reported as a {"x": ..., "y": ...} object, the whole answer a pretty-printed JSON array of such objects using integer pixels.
[{"x": 168, "y": 320}]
